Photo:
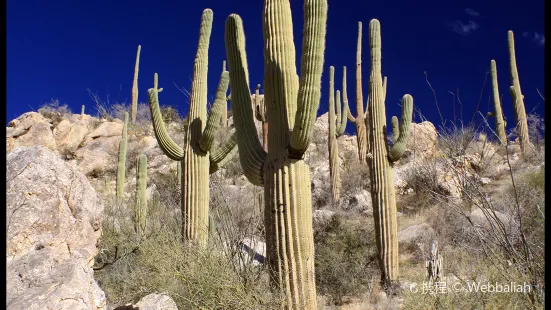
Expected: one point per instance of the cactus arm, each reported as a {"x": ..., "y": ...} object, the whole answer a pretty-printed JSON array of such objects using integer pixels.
[
  {"x": 169, "y": 147},
  {"x": 134, "y": 105},
  {"x": 315, "y": 20},
  {"x": 518, "y": 98},
  {"x": 384, "y": 89},
  {"x": 399, "y": 147},
  {"x": 341, "y": 122},
  {"x": 222, "y": 154},
  {"x": 395, "y": 129},
  {"x": 251, "y": 153},
  {"x": 500, "y": 124},
  {"x": 349, "y": 115},
  {"x": 213, "y": 121},
  {"x": 338, "y": 107}
]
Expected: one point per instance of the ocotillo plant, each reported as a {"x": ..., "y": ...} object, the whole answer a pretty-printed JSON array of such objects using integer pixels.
[
  {"x": 359, "y": 120},
  {"x": 381, "y": 160},
  {"x": 121, "y": 167},
  {"x": 497, "y": 114},
  {"x": 261, "y": 115},
  {"x": 141, "y": 194},
  {"x": 518, "y": 97},
  {"x": 291, "y": 106},
  {"x": 198, "y": 155},
  {"x": 337, "y": 125},
  {"x": 134, "y": 104}
]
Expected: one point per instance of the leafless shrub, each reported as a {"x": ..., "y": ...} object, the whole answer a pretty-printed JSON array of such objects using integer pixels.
[{"x": 54, "y": 111}]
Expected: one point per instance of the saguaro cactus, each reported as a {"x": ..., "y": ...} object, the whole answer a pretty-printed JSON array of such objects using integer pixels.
[
  {"x": 134, "y": 106},
  {"x": 261, "y": 115},
  {"x": 382, "y": 159},
  {"x": 198, "y": 156},
  {"x": 291, "y": 106},
  {"x": 498, "y": 115},
  {"x": 121, "y": 167},
  {"x": 82, "y": 112},
  {"x": 359, "y": 120},
  {"x": 141, "y": 194},
  {"x": 224, "y": 118},
  {"x": 518, "y": 97},
  {"x": 337, "y": 125}
]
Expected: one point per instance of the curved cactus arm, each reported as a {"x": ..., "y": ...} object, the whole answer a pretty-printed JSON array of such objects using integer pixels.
[
  {"x": 222, "y": 154},
  {"x": 313, "y": 48},
  {"x": 169, "y": 147},
  {"x": 499, "y": 122},
  {"x": 338, "y": 107},
  {"x": 349, "y": 115},
  {"x": 213, "y": 121},
  {"x": 251, "y": 153},
  {"x": 395, "y": 128},
  {"x": 399, "y": 146},
  {"x": 341, "y": 125}
]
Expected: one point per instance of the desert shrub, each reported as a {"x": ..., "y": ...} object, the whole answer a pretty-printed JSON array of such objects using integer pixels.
[
  {"x": 454, "y": 140},
  {"x": 354, "y": 175},
  {"x": 54, "y": 111},
  {"x": 345, "y": 258},
  {"x": 170, "y": 114}
]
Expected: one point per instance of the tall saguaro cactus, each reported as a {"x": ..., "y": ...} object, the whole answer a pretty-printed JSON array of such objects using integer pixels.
[
  {"x": 141, "y": 194},
  {"x": 382, "y": 159},
  {"x": 121, "y": 167},
  {"x": 359, "y": 120},
  {"x": 498, "y": 115},
  {"x": 337, "y": 125},
  {"x": 291, "y": 106},
  {"x": 134, "y": 106},
  {"x": 198, "y": 156},
  {"x": 518, "y": 97}
]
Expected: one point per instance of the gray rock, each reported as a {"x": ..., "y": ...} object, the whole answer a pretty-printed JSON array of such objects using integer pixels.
[
  {"x": 414, "y": 231},
  {"x": 157, "y": 302},
  {"x": 30, "y": 129},
  {"x": 53, "y": 220},
  {"x": 321, "y": 217}
]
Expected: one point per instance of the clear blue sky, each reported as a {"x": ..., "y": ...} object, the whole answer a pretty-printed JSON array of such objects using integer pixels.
[{"x": 58, "y": 49}]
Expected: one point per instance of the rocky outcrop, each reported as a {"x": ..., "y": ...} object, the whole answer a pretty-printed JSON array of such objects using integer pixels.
[
  {"x": 53, "y": 220},
  {"x": 29, "y": 129}
]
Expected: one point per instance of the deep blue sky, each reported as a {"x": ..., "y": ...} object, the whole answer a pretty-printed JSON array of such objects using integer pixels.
[{"x": 58, "y": 49}]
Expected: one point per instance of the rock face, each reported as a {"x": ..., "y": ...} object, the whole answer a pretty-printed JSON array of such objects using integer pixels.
[
  {"x": 157, "y": 302},
  {"x": 29, "y": 129},
  {"x": 53, "y": 220},
  {"x": 422, "y": 140}
]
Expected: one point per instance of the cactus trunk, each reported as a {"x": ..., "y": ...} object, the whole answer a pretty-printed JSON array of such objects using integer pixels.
[
  {"x": 291, "y": 106},
  {"x": 141, "y": 195},
  {"x": 121, "y": 167},
  {"x": 337, "y": 125},
  {"x": 381, "y": 161},
  {"x": 134, "y": 106},
  {"x": 82, "y": 112},
  {"x": 498, "y": 115},
  {"x": 518, "y": 97},
  {"x": 361, "y": 131}
]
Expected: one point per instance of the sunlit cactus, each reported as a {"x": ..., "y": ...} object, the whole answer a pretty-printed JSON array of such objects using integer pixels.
[
  {"x": 291, "y": 106},
  {"x": 141, "y": 194},
  {"x": 497, "y": 114},
  {"x": 121, "y": 166},
  {"x": 198, "y": 156},
  {"x": 381, "y": 160},
  {"x": 134, "y": 104},
  {"x": 518, "y": 97},
  {"x": 337, "y": 125}
]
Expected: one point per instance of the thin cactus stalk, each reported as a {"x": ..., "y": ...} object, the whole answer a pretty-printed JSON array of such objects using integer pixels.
[
  {"x": 359, "y": 120},
  {"x": 141, "y": 195},
  {"x": 337, "y": 124},
  {"x": 82, "y": 112},
  {"x": 224, "y": 118},
  {"x": 381, "y": 160},
  {"x": 198, "y": 155},
  {"x": 134, "y": 106},
  {"x": 179, "y": 172},
  {"x": 498, "y": 115},
  {"x": 518, "y": 97},
  {"x": 261, "y": 115},
  {"x": 291, "y": 105},
  {"x": 121, "y": 167}
]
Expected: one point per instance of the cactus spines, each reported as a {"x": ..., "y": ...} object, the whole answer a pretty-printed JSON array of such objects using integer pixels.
[
  {"x": 134, "y": 105},
  {"x": 381, "y": 159},
  {"x": 518, "y": 98},
  {"x": 197, "y": 155},
  {"x": 141, "y": 194},
  {"x": 121, "y": 167},
  {"x": 291, "y": 106},
  {"x": 360, "y": 119},
  {"x": 337, "y": 124},
  {"x": 500, "y": 123}
]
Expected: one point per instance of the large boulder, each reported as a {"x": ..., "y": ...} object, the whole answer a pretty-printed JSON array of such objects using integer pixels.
[
  {"x": 30, "y": 129},
  {"x": 53, "y": 220},
  {"x": 157, "y": 302},
  {"x": 422, "y": 140}
]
